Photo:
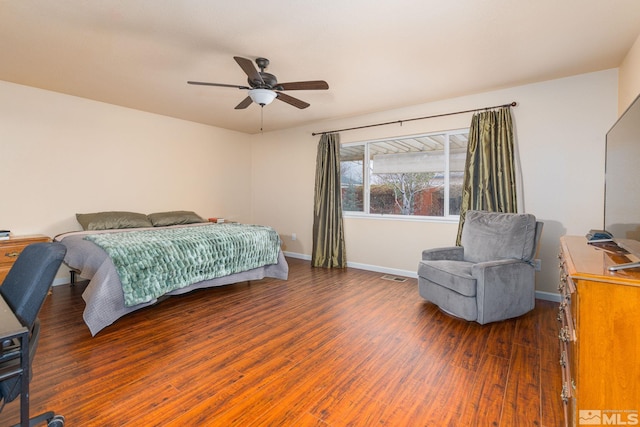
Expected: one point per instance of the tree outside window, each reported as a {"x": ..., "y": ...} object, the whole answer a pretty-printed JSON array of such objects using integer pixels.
[{"x": 410, "y": 176}]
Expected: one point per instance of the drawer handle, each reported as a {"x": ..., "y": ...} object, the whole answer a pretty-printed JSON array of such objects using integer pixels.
[
  {"x": 564, "y": 335},
  {"x": 561, "y": 309},
  {"x": 565, "y": 394},
  {"x": 12, "y": 254}
]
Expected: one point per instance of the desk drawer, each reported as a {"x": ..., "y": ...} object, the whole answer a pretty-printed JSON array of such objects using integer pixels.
[
  {"x": 9, "y": 253},
  {"x": 10, "y": 250}
]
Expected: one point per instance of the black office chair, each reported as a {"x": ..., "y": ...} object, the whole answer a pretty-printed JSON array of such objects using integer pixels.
[{"x": 24, "y": 290}]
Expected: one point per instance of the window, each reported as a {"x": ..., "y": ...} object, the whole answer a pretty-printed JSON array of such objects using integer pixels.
[{"x": 418, "y": 176}]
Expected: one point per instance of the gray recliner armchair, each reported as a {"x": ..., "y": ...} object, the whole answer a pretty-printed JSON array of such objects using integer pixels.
[{"x": 491, "y": 277}]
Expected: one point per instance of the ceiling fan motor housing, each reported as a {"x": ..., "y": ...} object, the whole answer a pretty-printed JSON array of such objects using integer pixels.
[{"x": 269, "y": 81}]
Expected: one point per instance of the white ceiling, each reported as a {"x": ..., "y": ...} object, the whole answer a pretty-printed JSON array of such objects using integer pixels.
[{"x": 375, "y": 54}]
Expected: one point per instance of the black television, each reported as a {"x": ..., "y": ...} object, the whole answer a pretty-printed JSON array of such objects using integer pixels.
[{"x": 622, "y": 176}]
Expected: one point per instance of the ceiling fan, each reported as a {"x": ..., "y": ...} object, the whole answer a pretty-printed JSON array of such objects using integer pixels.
[{"x": 264, "y": 87}]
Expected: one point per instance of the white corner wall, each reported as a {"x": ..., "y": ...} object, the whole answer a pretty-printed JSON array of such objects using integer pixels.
[
  {"x": 62, "y": 155},
  {"x": 560, "y": 124},
  {"x": 629, "y": 78}
]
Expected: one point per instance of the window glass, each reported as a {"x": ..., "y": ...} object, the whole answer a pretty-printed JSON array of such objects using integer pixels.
[
  {"x": 457, "y": 157},
  {"x": 352, "y": 177},
  {"x": 409, "y": 176}
]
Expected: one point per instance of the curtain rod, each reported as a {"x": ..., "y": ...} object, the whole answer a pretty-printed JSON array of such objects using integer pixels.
[{"x": 513, "y": 104}]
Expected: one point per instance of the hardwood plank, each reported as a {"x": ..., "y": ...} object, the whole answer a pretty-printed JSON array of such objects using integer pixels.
[
  {"x": 449, "y": 395},
  {"x": 324, "y": 348},
  {"x": 501, "y": 338},
  {"x": 484, "y": 405},
  {"x": 522, "y": 397},
  {"x": 471, "y": 346},
  {"x": 527, "y": 330}
]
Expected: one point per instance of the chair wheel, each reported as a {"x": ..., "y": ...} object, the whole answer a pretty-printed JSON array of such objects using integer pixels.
[{"x": 56, "y": 421}]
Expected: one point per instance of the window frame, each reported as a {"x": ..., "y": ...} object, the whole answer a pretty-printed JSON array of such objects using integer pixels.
[{"x": 366, "y": 179}]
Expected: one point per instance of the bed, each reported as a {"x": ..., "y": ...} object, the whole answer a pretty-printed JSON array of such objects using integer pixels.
[{"x": 132, "y": 268}]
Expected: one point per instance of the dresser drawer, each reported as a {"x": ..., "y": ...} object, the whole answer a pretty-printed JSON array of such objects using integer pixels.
[
  {"x": 567, "y": 336},
  {"x": 10, "y": 250},
  {"x": 567, "y": 290}
]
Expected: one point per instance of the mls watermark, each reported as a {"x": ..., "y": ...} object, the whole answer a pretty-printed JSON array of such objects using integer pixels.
[{"x": 608, "y": 417}]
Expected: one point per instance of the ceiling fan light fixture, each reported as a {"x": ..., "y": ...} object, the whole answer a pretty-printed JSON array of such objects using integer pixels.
[{"x": 262, "y": 97}]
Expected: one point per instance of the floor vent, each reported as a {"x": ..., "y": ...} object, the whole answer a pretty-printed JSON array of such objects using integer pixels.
[{"x": 394, "y": 278}]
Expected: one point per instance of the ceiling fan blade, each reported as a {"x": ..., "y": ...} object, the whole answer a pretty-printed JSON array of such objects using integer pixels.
[
  {"x": 310, "y": 85},
  {"x": 292, "y": 101},
  {"x": 250, "y": 70},
  {"x": 217, "y": 84},
  {"x": 244, "y": 104}
]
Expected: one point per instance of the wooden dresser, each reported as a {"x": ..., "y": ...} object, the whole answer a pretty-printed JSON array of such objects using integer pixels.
[
  {"x": 599, "y": 334},
  {"x": 11, "y": 248}
]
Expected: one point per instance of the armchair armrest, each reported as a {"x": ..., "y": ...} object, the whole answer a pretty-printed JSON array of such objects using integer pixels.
[
  {"x": 505, "y": 289},
  {"x": 484, "y": 266},
  {"x": 452, "y": 253}
]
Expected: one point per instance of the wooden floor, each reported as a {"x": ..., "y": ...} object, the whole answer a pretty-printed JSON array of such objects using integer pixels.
[{"x": 325, "y": 348}]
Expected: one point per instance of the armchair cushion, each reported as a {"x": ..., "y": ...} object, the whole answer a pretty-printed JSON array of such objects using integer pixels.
[
  {"x": 494, "y": 236},
  {"x": 454, "y": 275}
]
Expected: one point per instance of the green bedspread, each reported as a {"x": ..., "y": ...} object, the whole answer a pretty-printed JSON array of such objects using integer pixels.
[{"x": 151, "y": 263}]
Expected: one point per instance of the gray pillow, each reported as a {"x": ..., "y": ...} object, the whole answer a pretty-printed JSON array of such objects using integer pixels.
[
  {"x": 163, "y": 219},
  {"x": 112, "y": 220}
]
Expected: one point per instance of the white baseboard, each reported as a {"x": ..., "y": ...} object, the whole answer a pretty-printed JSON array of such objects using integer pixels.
[
  {"x": 297, "y": 255},
  {"x": 547, "y": 296},
  {"x": 385, "y": 270},
  {"x": 360, "y": 266},
  {"x": 60, "y": 281}
]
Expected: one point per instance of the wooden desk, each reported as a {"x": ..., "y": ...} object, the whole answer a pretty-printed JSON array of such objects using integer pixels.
[
  {"x": 11, "y": 328},
  {"x": 600, "y": 334}
]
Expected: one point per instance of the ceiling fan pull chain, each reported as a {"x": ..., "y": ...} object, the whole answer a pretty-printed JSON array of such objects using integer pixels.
[{"x": 261, "y": 117}]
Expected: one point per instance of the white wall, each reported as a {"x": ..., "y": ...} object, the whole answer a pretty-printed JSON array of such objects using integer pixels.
[
  {"x": 629, "y": 78},
  {"x": 560, "y": 125},
  {"x": 60, "y": 155}
]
